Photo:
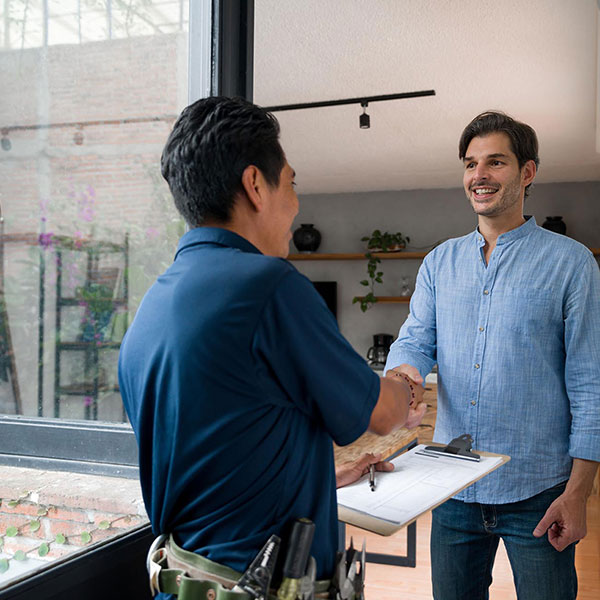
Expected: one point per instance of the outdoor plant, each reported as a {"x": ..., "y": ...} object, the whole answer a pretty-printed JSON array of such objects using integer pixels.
[
  {"x": 377, "y": 242},
  {"x": 32, "y": 523},
  {"x": 98, "y": 303}
]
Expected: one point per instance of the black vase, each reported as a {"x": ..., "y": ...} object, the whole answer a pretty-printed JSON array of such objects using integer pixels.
[
  {"x": 307, "y": 238},
  {"x": 555, "y": 224}
]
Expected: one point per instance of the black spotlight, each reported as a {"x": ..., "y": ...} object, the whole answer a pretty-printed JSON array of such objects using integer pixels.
[{"x": 364, "y": 120}]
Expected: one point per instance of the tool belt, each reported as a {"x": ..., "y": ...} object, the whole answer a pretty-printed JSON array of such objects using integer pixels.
[{"x": 190, "y": 576}]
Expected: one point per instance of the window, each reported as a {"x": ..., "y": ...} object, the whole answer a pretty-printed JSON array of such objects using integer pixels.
[{"x": 91, "y": 89}]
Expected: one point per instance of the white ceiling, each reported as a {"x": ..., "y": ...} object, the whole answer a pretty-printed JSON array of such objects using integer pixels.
[{"x": 534, "y": 59}]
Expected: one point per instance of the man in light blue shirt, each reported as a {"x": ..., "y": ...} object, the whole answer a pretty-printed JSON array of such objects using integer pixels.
[{"x": 511, "y": 315}]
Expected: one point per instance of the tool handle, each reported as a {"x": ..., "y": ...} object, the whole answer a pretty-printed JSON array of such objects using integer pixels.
[{"x": 299, "y": 548}]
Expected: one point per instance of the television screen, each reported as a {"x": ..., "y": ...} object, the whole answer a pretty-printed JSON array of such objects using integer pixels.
[{"x": 328, "y": 290}]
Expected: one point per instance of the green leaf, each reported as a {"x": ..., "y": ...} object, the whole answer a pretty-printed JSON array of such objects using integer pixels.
[
  {"x": 86, "y": 538},
  {"x": 60, "y": 538},
  {"x": 43, "y": 549},
  {"x": 103, "y": 525},
  {"x": 378, "y": 280},
  {"x": 355, "y": 299},
  {"x": 13, "y": 503},
  {"x": 41, "y": 511},
  {"x": 4, "y": 565},
  {"x": 364, "y": 282},
  {"x": 11, "y": 531},
  {"x": 34, "y": 525},
  {"x": 20, "y": 555}
]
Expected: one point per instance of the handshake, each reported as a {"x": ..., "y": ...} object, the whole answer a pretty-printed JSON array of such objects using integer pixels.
[{"x": 409, "y": 375}]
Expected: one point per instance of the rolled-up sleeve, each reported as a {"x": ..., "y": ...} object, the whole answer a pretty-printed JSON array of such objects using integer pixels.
[{"x": 582, "y": 364}]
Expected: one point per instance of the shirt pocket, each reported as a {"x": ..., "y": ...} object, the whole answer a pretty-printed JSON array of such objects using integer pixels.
[{"x": 528, "y": 311}]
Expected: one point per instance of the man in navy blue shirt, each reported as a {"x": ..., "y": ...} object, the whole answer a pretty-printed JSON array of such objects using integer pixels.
[{"x": 233, "y": 373}]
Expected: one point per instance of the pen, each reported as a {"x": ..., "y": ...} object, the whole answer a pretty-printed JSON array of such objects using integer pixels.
[{"x": 372, "y": 477}]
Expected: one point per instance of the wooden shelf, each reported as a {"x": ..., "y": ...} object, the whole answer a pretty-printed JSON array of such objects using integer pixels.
[
  {"x": 382, "y": 255},
  {"x": 391, "y": 299},
  {"x": 358, "y": 256}
]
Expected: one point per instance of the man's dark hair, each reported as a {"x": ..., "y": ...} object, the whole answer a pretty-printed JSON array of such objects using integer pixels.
[
  {"x": 523, "y": 140},
  {"x": 212, "y": 142}
]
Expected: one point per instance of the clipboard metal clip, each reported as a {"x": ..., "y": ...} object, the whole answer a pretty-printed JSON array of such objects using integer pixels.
[{"x": 459, "y": 447}]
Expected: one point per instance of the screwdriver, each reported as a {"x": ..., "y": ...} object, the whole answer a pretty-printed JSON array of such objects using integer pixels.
[{"x": 296, "y": 558}]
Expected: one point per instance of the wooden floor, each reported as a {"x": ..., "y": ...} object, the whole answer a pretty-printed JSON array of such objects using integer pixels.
[{"x": 404, "y": 583}]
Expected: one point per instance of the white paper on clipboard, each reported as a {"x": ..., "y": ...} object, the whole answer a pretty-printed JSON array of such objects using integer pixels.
[{"x": 417, "y": 484}]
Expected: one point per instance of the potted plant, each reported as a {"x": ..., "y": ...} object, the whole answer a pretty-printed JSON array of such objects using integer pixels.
[
  {"x": 385, "y": 242},
  {"x": 377, "y": 242}
]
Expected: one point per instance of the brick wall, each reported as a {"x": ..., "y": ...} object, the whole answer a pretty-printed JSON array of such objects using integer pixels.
[
  {"x": 57, "y": 511},
  {"x": 107, "y": 186}
]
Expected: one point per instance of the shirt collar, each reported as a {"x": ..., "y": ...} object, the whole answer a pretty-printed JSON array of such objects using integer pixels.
[
  {"x": 216, "y": 236},
  {"x": 512, "y": 235}
]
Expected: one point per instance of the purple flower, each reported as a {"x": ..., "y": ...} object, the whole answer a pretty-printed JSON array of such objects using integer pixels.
[
  {"x": 45, "y": 240},
  {"x": 87, "y": 401}
]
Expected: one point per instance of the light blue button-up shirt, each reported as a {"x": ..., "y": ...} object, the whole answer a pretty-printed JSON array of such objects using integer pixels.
[{"x": 517, "y": 343}]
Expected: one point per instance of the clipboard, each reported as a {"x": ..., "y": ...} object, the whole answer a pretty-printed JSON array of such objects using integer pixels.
[{"x": 420, "y": 482}]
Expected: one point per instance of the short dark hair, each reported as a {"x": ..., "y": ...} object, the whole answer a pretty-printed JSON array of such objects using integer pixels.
[
  {"x": 523, "y": 140},
  {"x": 212, "y": 142}
]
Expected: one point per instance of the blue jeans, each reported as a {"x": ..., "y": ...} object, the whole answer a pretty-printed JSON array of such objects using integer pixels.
[{"x": 464, "y": 540}]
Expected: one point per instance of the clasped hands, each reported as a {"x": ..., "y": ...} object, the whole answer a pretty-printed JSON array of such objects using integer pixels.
[
  {"x": 352, "y": 471},
  {"x": 417, "y": 408}
]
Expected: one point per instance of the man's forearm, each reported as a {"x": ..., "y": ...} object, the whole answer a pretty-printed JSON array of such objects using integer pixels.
[{"x": 582, "y": 476}]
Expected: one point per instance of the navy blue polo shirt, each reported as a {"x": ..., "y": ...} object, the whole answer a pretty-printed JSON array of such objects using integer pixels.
[{"x": 236, "y": 379}]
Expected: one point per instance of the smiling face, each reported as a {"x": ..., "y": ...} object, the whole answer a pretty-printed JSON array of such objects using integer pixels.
[
  {"x": 282, "y": 209},
  {"x": 493, "y": 181}
]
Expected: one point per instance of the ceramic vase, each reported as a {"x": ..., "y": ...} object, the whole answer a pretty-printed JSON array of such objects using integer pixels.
[
  {"x": 555, "y": 224},
  {"x": 307, "y": 238}
]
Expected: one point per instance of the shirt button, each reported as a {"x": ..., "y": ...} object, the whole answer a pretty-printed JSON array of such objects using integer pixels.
[
  {"x": 486, "y": 292},
  {"x": 477, "y": 365},
  {"x": 473, "y": 402},
  {"x": 481, "y": 329}
]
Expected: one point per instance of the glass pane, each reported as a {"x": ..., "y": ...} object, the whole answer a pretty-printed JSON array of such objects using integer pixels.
[
  {"x": 88, "y": 222},
  {"x": 90, "y": 90}
]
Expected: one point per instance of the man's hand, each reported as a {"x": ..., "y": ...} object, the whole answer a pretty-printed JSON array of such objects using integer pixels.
[
  {"x": 417, "y": 407},
  {"x": 352, "y": 471},
  {"x": 404, "y": 369},
  {"x": 565, "y": 521}
]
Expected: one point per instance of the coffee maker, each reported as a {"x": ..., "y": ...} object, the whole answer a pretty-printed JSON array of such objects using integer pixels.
[{"x": 377, "y": 353}]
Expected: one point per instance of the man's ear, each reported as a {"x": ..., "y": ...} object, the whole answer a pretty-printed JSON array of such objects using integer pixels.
[
  {"x": 253, "y": 183},
  {"x": 528, "y": 172}
]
